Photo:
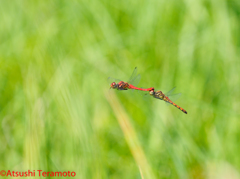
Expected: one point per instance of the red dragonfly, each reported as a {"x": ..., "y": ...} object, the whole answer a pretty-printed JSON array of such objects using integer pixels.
[
  {"x": 161, "y": 96},
  {"x": 129, "y": 85}
]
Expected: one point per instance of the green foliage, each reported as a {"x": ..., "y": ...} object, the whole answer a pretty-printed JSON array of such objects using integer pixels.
[{"x": 56, "y": 112}]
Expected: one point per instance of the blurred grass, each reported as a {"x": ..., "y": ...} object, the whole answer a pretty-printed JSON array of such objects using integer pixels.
[{"x": 56, "y": 56}]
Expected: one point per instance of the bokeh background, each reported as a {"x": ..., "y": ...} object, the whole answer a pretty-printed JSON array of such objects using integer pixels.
[{"x": 58, "y": 114}]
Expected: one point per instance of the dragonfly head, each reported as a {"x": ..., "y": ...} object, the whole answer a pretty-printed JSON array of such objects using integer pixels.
[
  {"x": 113, "y": 85},
  {"x": 151, "y": 92}
]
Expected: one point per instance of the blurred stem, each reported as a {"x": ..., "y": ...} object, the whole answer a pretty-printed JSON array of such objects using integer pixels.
[{"x": 130, "y": 136}]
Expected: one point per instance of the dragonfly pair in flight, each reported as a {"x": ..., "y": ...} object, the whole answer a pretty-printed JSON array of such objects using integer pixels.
[{"x": 134, "y": 79}]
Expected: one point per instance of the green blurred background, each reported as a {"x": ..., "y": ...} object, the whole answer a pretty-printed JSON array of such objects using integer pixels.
[{"x": 58, "y": 114}]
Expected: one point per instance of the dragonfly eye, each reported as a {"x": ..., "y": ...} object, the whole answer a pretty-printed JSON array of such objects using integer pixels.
[{"x": 113, "y": 85}]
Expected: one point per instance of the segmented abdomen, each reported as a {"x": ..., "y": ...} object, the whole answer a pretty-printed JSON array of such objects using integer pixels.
[{"x": 183, "y": 110}]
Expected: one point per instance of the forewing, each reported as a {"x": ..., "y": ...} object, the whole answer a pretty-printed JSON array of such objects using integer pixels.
[
  {"x": 136, "y": 80},
  {"x": 111, "y": 80},
  {"x": 134, "y": 74},
  {"x": 169, "y": 93}
]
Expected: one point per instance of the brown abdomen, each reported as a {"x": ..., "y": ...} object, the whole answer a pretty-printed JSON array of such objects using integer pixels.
[{"x": 183, "y": 110}]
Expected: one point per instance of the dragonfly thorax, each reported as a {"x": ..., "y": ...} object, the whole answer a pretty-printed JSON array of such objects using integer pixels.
[{"x": 159, "y": 95}]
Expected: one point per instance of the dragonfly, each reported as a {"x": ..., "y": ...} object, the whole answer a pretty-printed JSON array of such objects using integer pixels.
[
  {"x": 161, "y": 96},
  {"x": 134, "y": 79}
]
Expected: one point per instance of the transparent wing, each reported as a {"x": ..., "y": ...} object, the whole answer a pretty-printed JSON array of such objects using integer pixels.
[
  {"x": 134, "y": 74},
  {"x": 174, "y": 97},
  {"x": 146, "y": 96},
  {"x": 169, "y": 93},
  {"x": 135, "y": 80},
  {"x": 171, "y": 96},
  {"x": 110, "y": 80}
]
